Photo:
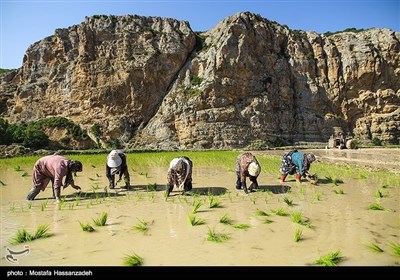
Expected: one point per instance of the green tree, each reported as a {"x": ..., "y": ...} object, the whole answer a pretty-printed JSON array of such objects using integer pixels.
[
  {"x": 5, "y": 137},
  {"x": 35, "y": 138}
]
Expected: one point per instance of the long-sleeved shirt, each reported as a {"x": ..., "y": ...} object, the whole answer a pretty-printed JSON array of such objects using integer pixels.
[
  {"x": 122, "y": 168},
  {"x": 242, "y": 165},
  {"x": 50, "y": 168},
  {"x": 180, "y": 172}
]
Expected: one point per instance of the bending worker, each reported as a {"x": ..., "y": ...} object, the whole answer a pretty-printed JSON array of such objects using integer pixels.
[
  {"x": 247, "y": 166},
  {"x": 116, "y": 164},
  {"x": 53, "y": 168},
  {"x": 298, "y": 163},
  {"x": 179, "y": 175}
]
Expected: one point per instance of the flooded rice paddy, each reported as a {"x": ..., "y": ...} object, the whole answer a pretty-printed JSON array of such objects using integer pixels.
[{"x": 332, "y": 216}]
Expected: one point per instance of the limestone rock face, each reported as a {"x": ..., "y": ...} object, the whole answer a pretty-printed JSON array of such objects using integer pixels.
[{"x": 152, "y": 82}]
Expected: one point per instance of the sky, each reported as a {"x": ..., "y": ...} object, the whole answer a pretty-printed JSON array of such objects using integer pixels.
[{"x": 24, "y": 22}]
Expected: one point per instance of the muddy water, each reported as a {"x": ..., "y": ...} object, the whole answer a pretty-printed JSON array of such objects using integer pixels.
[{"x": 335, "y": 222}]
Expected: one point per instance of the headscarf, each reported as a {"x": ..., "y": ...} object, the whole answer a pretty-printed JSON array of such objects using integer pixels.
[
  {"x": 307, "y": 160},
  {"x": 73, "y": 166}
]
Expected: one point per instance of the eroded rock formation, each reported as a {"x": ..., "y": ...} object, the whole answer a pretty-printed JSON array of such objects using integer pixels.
[{"x": 154, "y": 83}]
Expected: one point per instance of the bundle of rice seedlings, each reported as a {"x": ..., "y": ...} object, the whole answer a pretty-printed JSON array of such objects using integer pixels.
[
  {"x": 101, "y": 221},
  {"x": 331, "y": 259},
  {"x": 133, "y": 260}
]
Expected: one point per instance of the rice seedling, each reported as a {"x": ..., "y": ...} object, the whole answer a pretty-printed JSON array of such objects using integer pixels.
[
  {"x": 230, "y": 197},
  {"x": 386, "y": 186},
  {"x": 317, "y": 196},
  {"x": 138, "y": 196},
  {"x": 61, "y": 203},
  {"x": 213, "y": 236},
  {"x": 95, "y": 187},
  {"x": 97, "y": 175},
  {"x": 261, "y": 213},
  {"x": 280, "y": 212},
  {"x": 288, "y": 201},
  {"x": 86, "y": 227},
  {"x": 100, "y": 222},
  {"x": 335, "y": 181},
  {"x": 77, "y": 200},
  {"x": 44, "y": 205},
  {"x": 378, "y": 194},
  {"x": 23, "y": 235},
  {"x": 253, "y": 199},
  {"x": 339, "y": 191},
  {"x": 41, "y": 232},
  {"x": 24, "y": 174},
  {"x": 30, "y": 203},
  {"x": 375, "y": 248},
  {"x": 214, "y": 202},
  {"x": 298, "y": 234},
  {"x": 17, "y": 168},
  {"x": 241, "y": 226},
  {"x": 362, "y": 176},
  {"x": 268, "y": 221},
  {"x": 142, "y": 226},
  {"x": 151, "y": 187},
  {"x": 196, "y": 206},
  {"x": 92, "y": 165},
  {"x": 376, "y": 206},
  {"x": 331, "y": 259},
  {"x": 152, "y": 197},
  {"x": 297, "y": 218},
  {"x": 2, "y": 183},
  {"x": 225, "y": 220},
  {"x": 13, "y": 207},
  {"x": 133, "y": 260},
  {"x": 395, "y": 248},
  {"x": 194, "y": 221},
  {"x": 71, "y": 206}
]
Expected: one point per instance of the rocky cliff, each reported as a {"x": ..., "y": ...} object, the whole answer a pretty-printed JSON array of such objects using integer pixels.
[{"x": 152, "y": 82}]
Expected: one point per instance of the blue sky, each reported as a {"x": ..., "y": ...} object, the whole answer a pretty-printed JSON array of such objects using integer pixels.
[{"x": 24, "y": 22}]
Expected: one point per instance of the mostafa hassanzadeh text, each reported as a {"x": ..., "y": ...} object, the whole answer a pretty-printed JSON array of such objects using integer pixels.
[{"x": 57, "y": 272}]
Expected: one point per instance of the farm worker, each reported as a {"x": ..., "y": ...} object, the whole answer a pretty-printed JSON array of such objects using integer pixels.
[
  {"x": 298, "y": 163},
  {"x": 53, "y": 168},
  {"x": 179, "y": 175},
  {"x": 116, "y": 164},
  {"x": 247, "y": 166}
]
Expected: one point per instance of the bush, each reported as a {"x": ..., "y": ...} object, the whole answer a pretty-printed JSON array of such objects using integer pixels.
[
  {"x": 5, "y": 138},
  {"x": 35, "y": 138},
  {"x": 376, "y": 141}
]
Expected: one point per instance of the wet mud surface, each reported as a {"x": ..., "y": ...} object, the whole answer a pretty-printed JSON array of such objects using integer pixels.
[{"x": 261, "y": 232}]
